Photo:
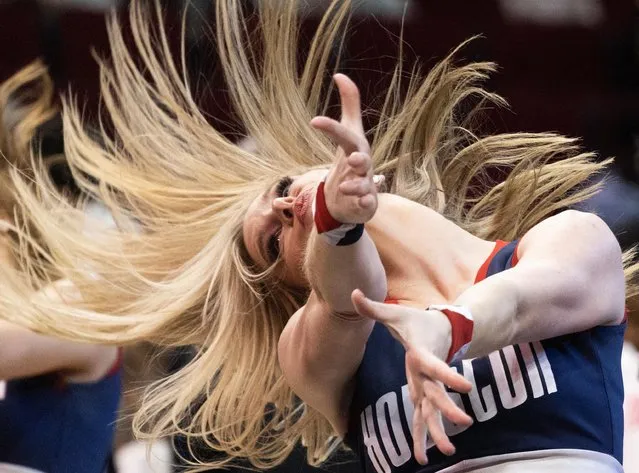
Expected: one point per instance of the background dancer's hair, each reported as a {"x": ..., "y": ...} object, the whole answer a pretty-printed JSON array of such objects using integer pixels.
[
  {"x": 187, "y": 278},
  {"x": 28, "y": 107},
  {"x": 26, "y": 103}
]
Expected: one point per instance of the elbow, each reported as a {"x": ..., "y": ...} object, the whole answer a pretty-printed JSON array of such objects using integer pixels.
[
  {"x": 378, "y": 290},
  {"x": 293, "y": 357}
]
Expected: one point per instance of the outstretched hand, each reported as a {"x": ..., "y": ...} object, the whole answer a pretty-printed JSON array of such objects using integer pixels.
[
  {"x": 426, "y": 337},
  {"x": 351, "y": 190}
]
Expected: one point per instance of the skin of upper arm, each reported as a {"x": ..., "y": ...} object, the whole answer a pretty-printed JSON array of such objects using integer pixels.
[
  {"x": 24, "y": 353},
  {"x": 576, "y": 258},
  {"x": 319, "y": 353}
]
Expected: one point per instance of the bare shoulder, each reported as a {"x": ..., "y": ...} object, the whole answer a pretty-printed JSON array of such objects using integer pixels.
[
  {"x": 570, "y": 231},
  {"x": 579, "y": 252}
]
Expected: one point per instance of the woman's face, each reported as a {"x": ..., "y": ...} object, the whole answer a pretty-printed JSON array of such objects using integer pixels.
[{"x": 279, "y": 222}]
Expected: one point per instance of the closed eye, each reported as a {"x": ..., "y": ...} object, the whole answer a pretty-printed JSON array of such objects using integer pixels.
[
  {"x": 273, "y": 247},
  {"x": 283, "y": 187}
]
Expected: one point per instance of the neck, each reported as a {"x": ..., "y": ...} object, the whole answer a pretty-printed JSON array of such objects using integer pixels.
[{"x": 427, "y": 258}]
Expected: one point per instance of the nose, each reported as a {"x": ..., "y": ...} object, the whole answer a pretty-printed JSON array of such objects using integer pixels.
[{"x": 283, "y": 208}]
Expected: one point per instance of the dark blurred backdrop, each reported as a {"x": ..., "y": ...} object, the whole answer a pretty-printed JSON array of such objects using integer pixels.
[{"x": 566, "y": 65}]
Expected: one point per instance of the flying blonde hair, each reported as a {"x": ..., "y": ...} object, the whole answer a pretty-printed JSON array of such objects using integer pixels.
[
  {"x": 27, "y": 102},
  {"x": 187, "y": 278}
]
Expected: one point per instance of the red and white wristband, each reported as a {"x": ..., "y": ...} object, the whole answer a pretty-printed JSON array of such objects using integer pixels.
[
  {"x": 335, "y": 232},
  {"x": 462, "y": 324}
]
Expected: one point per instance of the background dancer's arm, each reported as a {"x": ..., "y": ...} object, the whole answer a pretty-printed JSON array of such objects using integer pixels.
[{"x": 25, "y": 354}]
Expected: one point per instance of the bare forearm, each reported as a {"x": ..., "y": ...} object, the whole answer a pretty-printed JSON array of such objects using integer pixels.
[
  {"x": 494, "y": 308},
  {"x": 569, "y": 279},
  {"x": 25, "y": 354},
  {"x": 20, "y": 354},
  {"x": 533, "y": 303},
  {"x": 336, "y": 271}
]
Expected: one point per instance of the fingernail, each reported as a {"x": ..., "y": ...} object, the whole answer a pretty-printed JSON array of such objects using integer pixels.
[{"x": 378, "y": 178}]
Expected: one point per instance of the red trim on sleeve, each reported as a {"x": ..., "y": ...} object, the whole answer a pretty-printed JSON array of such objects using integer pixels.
[
  {"x": 461, "y": 332},
  {"x": 483, "y": 270},
  {"x": 626, "y": 312},
  {"x": 515, "y": 259},
  {"x": 389, "y": 300}
]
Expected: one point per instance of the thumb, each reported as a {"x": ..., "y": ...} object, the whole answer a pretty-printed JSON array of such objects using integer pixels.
[{"x": 365, "y": 307}]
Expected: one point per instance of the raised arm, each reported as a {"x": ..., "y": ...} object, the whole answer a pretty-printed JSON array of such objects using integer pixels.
[
  {"x": 323, "y": 343},
  {"x": 350, "y": 194}
]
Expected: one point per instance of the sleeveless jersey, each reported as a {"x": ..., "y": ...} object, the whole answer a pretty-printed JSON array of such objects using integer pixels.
[
  {"x": 59, "y": 427},
  {"x": 565, "y": 393}
]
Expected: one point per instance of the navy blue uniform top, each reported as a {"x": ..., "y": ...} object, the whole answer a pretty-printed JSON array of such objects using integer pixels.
[
  {"x": 59, "y": 427},
  {"x": 561, "y": 393}
]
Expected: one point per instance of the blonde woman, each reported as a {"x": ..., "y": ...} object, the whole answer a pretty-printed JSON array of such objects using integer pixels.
[
  {"x": 58, "y": 398},
  {"x": 262, "y": 260}
]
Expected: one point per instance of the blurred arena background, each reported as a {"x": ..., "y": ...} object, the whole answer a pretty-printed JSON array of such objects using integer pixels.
[{"x": 570, "y": 66}]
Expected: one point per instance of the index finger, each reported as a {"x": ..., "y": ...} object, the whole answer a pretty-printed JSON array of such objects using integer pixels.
[
  {"x": 346, "y": 138},
  {"x": 351, "y": 102},
  {"x": 436, "y": 369}
]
